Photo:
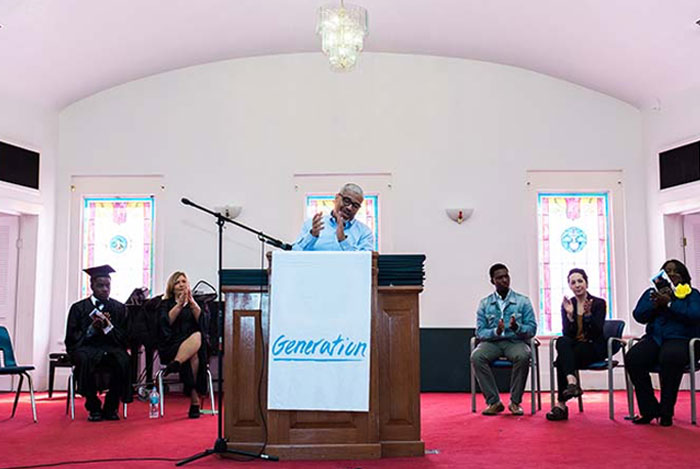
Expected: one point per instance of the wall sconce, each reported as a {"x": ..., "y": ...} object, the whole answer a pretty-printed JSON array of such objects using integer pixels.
[
  {"x": 459, "y": 214},
  {"x": 229, "y": 211}
]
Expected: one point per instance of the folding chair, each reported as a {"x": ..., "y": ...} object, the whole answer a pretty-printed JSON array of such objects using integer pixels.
[
  {"x": 612, "y": 333},
  {"x": 502, "y": 362},
  {"x": 10, "y": 367}
]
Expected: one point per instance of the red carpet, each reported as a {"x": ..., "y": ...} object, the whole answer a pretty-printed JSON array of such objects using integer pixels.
[{"x": 463, "y": 439}]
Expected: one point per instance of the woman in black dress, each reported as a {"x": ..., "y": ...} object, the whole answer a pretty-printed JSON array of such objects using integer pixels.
[{"x": 181, "y": 344}]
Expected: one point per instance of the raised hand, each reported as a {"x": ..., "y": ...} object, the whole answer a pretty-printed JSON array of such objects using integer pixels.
[
  {"x": 317, "y": 225},
  {"x": 181, "y": 299},
  {"x": 190, "y": 298},
  {"x": 340, "y": 228},
  {"x": 587, "y": 307},
  {"x": 568, "y": 308}
]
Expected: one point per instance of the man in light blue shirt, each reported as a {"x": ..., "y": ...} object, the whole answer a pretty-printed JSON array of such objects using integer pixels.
[
  {"x": 338, "y": 231},
  {"x": 505, "y": 321}
]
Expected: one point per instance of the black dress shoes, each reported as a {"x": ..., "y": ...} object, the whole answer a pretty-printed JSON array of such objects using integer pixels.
[
  {"x": 571, "y": 391},
  {"x": 110, "y": 415},
  {"x": 666, "y": 421},
  {"x": 557, "y": 413},
  {"x": 644, "y": 419},
  {"x": 194, "y": 412},
  {"x": 95, "y": 416}
]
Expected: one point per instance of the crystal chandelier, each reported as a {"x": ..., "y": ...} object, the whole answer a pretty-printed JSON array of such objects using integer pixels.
[{"x": 342, "y": 30}]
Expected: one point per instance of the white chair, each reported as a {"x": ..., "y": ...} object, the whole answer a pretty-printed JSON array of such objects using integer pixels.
[
  {"x": 210, "y": 389},
  {"x": 71, "y": 397}
]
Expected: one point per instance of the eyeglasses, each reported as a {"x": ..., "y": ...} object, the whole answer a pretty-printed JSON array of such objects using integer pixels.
[{"x": 347, "y": 201}]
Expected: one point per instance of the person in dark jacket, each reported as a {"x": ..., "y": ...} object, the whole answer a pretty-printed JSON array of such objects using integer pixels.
[
  {"x": 181, "y": 343},
  {"x": 672, "y": 315},
  {"x": 581, "y": 343},
  {"x": 96, "y": 337}
]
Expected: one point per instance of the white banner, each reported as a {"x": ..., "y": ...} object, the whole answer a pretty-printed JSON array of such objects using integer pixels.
[{"x": 320, "y": 327}]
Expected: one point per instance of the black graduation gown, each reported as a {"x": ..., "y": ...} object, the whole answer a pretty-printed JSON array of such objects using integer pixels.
[
  {"x": 172, "y": 335},
  {"x": 87, "y": 352}
]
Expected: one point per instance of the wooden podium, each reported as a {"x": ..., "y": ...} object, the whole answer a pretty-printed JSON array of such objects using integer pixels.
[{"x": 391, "y": 428}]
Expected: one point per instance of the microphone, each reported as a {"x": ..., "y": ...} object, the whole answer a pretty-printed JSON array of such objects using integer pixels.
[{"x": 186, "y": 201}]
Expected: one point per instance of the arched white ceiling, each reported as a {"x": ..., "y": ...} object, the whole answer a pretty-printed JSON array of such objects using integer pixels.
[{"x": 54, "y": 52}]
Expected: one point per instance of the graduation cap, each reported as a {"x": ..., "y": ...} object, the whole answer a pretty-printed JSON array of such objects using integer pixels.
[{"x": 99, "y": 271}]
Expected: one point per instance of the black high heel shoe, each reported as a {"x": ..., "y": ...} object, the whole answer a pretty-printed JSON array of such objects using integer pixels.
[
  {"x": 173, "y": 367},
  {"x": 644, "y": 419}
]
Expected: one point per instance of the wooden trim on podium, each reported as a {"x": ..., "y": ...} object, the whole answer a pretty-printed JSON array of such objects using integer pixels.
[
  {"x": 391, "y": 427},
  {"x": 398, "y": 342}
]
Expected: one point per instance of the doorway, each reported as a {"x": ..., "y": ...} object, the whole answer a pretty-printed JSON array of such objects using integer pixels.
[
  {"x": 691, "y": 244},
  {"x": 9, "y": 238}
]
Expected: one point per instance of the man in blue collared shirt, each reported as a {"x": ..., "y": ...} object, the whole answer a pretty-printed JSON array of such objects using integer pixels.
[
  {"x": 338, "y": 231},
  {"x": 498, "y": 340}
]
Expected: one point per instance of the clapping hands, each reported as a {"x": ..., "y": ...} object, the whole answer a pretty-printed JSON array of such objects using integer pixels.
[
  {"x": 587, "y": 307},
  {"x": 568, "y": 308},
  {"x": 501, "y": 327}
]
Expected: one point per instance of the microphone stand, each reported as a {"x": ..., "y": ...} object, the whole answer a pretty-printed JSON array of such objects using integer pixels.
[{"x": 220, "y": 445}]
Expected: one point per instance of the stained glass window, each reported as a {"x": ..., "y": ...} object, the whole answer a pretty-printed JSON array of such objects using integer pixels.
[
  {"x": 573, "y": 231},
  {"x": 119, "y": 231},
  {"x": 367, "y": 214}
]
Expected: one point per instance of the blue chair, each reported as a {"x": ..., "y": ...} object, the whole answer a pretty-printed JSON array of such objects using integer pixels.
[
  {"x": 691, "y": 368},
  {"x": 502, "y": 362},
  {"x": 612, "y": 332},
  {"x": 10, "y": 367}
]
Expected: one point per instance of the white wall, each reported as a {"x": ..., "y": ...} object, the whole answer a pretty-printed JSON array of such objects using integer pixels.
[
  {"x": 452, "y": 132},
  {"x": 30, "y": 126},
  {"x": 672, "y": 124}
]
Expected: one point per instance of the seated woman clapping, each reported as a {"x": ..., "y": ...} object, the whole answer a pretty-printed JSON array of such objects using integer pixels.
[
  {"x": 672, "y": 315},
  {"x": 582, "y": 341},
  {"x": 181, "y": 344}
]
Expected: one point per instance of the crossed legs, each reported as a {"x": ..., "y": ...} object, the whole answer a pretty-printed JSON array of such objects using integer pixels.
[{"x": 187, "y": 353}]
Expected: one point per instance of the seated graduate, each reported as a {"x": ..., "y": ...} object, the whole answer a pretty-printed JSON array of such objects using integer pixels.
[
  {"x": 671, "y": 312},
  {"x": 181, "y": 343},
  {"x": 96, "y": 343},
  {"x": 338, "y": 231},
  {"x": 582, "y": 341}
]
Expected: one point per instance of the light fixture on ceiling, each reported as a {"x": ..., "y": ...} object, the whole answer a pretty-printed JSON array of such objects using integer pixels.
[{"x": 342, "y": 29}]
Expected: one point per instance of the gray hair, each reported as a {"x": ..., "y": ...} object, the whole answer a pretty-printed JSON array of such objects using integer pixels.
[{"x": 354, "y": 188}]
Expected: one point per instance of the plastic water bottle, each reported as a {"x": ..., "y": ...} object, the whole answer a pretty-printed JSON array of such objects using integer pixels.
[{"x": 153, "y": 403}]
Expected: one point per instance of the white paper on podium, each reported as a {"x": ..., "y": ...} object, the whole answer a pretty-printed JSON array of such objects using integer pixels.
[{"x": 320, "y": 329}]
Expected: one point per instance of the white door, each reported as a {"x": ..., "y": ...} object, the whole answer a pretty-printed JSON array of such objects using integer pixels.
[
  {"x": 691, "y": 233},
  {"x": 9, "y": 235}
]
